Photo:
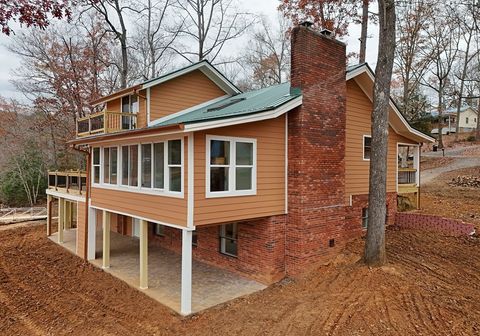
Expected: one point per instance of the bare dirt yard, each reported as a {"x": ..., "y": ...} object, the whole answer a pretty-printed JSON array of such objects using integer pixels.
[
  {"x": 431, "y": 286},
  {"x": 439, "y": 197}
]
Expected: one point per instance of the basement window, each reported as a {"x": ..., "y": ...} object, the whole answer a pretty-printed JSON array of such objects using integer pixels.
[
  {"x": 159, "y": 230},
  {"x": 364, "y": 218},
  {"x": 367, "y": 147},
  {"x": 195, "y": 238},
  {"x": 228, "y": 239}
]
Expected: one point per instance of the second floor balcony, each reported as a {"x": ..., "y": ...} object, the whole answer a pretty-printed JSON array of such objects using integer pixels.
[{"x": 106, "y": 122}]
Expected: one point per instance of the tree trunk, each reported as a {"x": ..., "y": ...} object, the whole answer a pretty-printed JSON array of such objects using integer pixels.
[
  {"x": 363, "y": 36},
  {"x": 477, "y": 133},
  {"x": 375, "y": 243},
  {"x": 440, "y": 116}
]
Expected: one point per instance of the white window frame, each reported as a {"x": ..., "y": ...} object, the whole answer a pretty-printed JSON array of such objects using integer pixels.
[
  {"x": 232, "y": 168},
  {"x": 365, "y": 218},
  {"x": 102, "y": 166},
  {"x": 131, "y": 124},
  {"x": 138, "y": 188},
  {"x": 363, "y": 146}
]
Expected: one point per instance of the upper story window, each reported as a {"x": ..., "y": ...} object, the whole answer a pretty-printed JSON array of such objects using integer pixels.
[
  {"x": 129, "y": 105},
  {"x": 154, "y": 167},
  {"x": 466, "y": 120},
  {"x": 231, "y": 166},
  {"x": 367, "y": 147}
]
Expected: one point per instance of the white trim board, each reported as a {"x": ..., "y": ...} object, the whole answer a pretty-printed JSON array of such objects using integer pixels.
[
  {"x": 70, "y": 197},
  {"x": 175, "y": 226}
]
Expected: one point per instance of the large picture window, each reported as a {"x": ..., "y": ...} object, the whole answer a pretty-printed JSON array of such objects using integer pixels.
[
  {"x": 155, "y": 166},
  {"x": 231, "y": 166},
  {"x": 129, "y": 105}
]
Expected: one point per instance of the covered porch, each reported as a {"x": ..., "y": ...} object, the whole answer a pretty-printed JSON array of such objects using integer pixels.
[
  {"x": 408, "y": 172},
  {"x": 210, "y": 285}
]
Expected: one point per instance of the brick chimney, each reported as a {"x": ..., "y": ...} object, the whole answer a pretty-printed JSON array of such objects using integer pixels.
[{"x": 316, "y": 148}]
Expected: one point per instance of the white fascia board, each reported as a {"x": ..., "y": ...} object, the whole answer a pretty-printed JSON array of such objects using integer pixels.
[
  {"x": 190, "y": 109},
  {"x": 70, "y": 197},
  {"x": 365, "y": 69},
  {"x": 244, "y": 119}
]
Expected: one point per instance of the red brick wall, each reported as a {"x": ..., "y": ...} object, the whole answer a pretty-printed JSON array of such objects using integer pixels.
[
  {"x": 261, "y": 247},
  {"x": 433, "y": 223},
  {"x": 316, "y": 149},
  {"x": 353, "y": 214}
]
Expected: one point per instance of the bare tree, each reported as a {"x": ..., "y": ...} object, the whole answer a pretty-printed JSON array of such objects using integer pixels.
[
  {"x": 268, "y": 57},
  {"x": 114, "y": 14},
  {"x": 443, "y": 39},
  {"x": 412, "y": 56},
  {"x": 364, "y": 31},
  {"x": 468, "y": 19},
  {"x": 375, "y": 243},
  {"x": 154, "y": 36},
  {"x": 209, "y": 25}
]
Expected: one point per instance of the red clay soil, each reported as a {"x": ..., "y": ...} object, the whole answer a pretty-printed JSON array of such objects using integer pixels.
[
  {"x": 439, "y": 198},
  {"x": 431, "y": 286}
]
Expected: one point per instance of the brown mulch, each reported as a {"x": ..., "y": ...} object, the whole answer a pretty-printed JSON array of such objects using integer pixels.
[{"x": 431, "y": 286}]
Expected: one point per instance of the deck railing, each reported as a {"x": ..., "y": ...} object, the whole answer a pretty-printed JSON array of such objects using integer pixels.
[
  {"x": 105, "y": 122},
  {"x": 71, "y": 181},
  {"x": 407, "y": 176}
]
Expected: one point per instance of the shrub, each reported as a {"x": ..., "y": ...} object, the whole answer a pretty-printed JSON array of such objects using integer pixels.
[{"x": 471, "y": 138}]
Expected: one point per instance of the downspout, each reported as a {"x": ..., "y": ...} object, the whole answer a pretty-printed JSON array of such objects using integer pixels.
[{"x": 87, "y": 197}]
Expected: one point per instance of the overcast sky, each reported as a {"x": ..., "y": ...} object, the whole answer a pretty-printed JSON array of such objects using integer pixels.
[{"x": 8, "y": 61}]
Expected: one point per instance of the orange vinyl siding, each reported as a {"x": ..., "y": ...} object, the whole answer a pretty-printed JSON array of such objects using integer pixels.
[
  {"x": 270, "y": 198},
  {"x": 181, "y": 93},
  {"x": 114, "y": 105},
  {"x": 142, "y": 109},
  {"x": 358, "y": 123},
  {"x": 81, "y": 229},
  {"x": 170, "y": 210}
]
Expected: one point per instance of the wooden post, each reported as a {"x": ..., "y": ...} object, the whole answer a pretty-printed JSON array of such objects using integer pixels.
[
  {"x": 66, "y": 216},
  {"x": 106, "y": 240},
  {"x": 61, "y": 219},
  {"x": 143, "y": 254},
  {"x": 49, "y": 215},
  {"x": 186, "y": 285}
]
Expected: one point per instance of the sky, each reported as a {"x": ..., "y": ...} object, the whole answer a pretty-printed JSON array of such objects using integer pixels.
[{"x": 9, "y": 61}]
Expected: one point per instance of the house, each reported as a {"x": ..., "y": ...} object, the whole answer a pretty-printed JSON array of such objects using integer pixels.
[
  {"x": 467, "y": 121},
  {"x": 263, "y": 183}
]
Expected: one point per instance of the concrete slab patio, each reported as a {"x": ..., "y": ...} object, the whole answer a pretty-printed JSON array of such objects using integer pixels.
[{"x": 210, "y": 285}]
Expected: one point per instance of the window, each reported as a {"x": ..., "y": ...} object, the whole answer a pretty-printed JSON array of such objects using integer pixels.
[
  {"x": 175, "y": 165},
  {"x": 466, "y": 120},
  {"x": 146, "y": 165},
  {"x": 228, "y": 239},
  {"x": 133, "y": 165},
  {"x": 231, "y": 166},
  {"x": 158, "y": 165},
  {"x": 159, "y": 230},
  {"x": 125, "y": 165},
  {"x": 195, "y": 238},
  {"x": 364, "y": 218},
  {"x": 110, "y": 165},
  {"x": 129, "y": 105},
  {"x": 96, "y": 165},
  {"x": 367, "y": 147}
]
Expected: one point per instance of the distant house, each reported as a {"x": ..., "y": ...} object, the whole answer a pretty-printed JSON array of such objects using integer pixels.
[
  {"x": 263, "y": 183},
  {"x": 467, "y": 121}
]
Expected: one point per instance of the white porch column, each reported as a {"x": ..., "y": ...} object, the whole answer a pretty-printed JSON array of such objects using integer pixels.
[
  {"x": 416, "y": 164},
  {"x": 61, "y": 219},
  {"x": 49, "y": 215},
  {"x": 143, "y": 254},
  {"x": 92, "y": 233},
  {"x": 186, "y": 289},
  {"x": 106, "y": 240}
]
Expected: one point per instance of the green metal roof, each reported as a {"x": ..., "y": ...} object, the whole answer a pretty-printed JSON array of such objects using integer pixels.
[{"x": 239, "y": 105}]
